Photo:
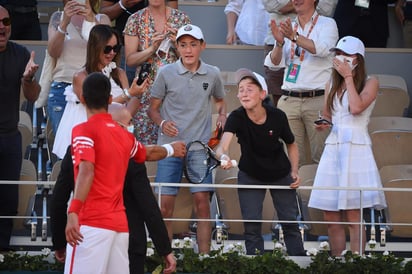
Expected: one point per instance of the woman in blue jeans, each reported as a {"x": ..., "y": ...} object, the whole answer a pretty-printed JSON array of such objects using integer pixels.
[
  {"x": 68, "y": 34},
  {"x": 259, "y": 127}
]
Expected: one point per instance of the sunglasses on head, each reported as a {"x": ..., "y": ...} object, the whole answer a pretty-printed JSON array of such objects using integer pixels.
[
  {"x": 115, "y": 48},
  {"x": 6, "y": 21}
]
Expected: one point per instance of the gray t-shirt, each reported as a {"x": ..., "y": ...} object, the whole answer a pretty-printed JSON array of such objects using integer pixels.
[{"x": 187, "y": 99}]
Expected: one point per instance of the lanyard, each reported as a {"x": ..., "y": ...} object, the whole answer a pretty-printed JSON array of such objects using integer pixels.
[{"x": 292, "y": 48}]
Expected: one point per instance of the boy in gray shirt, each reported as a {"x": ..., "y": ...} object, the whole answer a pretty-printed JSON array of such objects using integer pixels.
[{"x": 181, "y": 106}]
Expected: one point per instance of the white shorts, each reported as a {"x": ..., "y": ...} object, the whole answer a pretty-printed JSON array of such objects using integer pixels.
[{"x": 102, "y": 251}]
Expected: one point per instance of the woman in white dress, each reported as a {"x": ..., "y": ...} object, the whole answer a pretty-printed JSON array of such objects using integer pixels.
[
  {"x": 347, "y": 160},
  {"x": 103, "y": 54}
]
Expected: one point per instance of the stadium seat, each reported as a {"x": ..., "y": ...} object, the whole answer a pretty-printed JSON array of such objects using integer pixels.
[
  {"x": 24, "y": 118},
  {"x": 389, "y": 123},
  {"x": 392, "y": 98},
  {"x": 232, "y": 102},
  {"x": 26, "y": 137},
  {"x": 26, "y": 192},
  {"x": 398, "y": 176},
  {"x": 55, "y": 171},
  {"x": 392, "y": 147}
]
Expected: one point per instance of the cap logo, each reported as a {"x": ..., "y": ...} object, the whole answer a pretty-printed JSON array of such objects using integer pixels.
[{"x": 188, "y": 28}]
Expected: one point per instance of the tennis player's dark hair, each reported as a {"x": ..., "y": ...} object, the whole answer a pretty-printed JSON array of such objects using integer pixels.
[{"x": 96, "y": 91}]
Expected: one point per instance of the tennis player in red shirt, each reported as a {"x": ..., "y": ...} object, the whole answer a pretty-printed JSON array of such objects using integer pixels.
[{"x": 97, "y": 229}]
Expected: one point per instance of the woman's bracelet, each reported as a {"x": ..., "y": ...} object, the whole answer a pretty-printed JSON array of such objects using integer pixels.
[
  {"x": 59, "y": 29},
  {"x": 161, "y": 124},
  {"x": 126, "y": 93},
  {"x": 124, "y": 8}
]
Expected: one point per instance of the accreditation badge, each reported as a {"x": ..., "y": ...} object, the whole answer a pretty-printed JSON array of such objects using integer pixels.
[
  {"x": 362, "y": 3},
  {"x": 293, "y": 73}
]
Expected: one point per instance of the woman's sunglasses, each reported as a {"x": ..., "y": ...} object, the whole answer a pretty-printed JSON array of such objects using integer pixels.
[
  {"x": 6, "y": 21},
  {"x": 115, "y": 48}
]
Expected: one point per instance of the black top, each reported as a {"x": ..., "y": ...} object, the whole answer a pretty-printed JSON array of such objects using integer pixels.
[
  {"x": 138, "y": 198},
  {"x": 13, "y": 62},
  {"x": 363, "y": 23},
  {"x": 122, "y": 19},
  {"x": 408, "y": 11},
  {"x": 19, "y": 3},
  {"x": 262, "y": 154}
]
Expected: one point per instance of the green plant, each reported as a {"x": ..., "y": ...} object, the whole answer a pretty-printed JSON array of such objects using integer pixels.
[
  {"x": 231, "y": 258},
  {"x": 350, "y": 262},
  {"x": 227, "y": 259},
  {"x": 14, "y": 261}
]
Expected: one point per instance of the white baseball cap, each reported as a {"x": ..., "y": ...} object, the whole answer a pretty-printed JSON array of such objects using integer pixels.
[
  {"x": 244, "y": 72},
  {"x": 350, "y": 45},
  {"x": 191, "y": 30}
]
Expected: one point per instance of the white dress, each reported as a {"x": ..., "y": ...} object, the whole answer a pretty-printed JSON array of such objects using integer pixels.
[
  {"x": 347, "y": 161},
  {"x": 74, "y": 114}
]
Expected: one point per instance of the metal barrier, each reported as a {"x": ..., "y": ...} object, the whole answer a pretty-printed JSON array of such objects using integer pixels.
[{"x": 383, "y": 225}]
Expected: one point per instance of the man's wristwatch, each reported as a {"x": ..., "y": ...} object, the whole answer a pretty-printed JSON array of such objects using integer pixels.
[
  {"x": 295, "y": 37},
  {"x": 279, "y": 44}
]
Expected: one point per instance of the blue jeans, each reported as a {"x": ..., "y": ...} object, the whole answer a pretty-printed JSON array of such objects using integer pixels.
[
  {"x": 170, "y": 170},
  {"x": 10, "y": 166},
  {"x": 284, "y": 201},
  {"x": 56, "y": 103}
]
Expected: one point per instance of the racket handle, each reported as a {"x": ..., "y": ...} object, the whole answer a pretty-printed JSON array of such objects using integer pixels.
[{"x": 224, "y": 162}]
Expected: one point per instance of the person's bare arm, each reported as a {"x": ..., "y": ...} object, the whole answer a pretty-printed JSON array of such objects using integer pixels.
[
  {"x": 231, "y": 19},
  {"x": 277, "y": 51},
  {"x": 293, "y": 154},
  {"x": 31, "y": 88},
  {"x": 58, "y": 28},
  {"x": 156, "y": 152},
  {"x": 83, "y": 184},
  {"x": 134, "y": 57},
  {"x": 170, "y": 262},
  {"x": 399, "y": 11},
  {"x": 221, "y": 109},
  {"x": 114, "y": 10},
  {"x": 78, "y": 79},
  {"x": 222, "y": 151}
]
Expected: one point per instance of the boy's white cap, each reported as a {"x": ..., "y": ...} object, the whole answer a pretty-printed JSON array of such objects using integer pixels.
[
  {"x": 350, "y": 45},
  {"x": 244, "y": 72},
  {"x": 191, "y": 30}
]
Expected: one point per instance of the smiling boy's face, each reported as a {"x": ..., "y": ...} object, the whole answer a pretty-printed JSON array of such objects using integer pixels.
[{"x": 5, "y": 31}]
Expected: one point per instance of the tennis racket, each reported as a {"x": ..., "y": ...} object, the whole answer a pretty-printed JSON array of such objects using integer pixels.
[{"x": 200, "y": 160}]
